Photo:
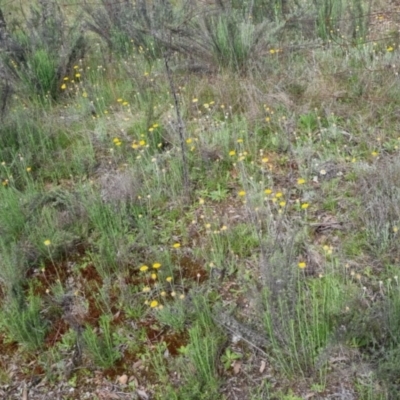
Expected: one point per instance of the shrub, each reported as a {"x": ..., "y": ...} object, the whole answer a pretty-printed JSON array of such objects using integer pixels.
[{"x": 41, "y": 52}]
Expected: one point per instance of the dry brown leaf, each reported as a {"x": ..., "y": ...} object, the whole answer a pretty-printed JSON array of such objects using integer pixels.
[
  {"x": 262, "y": 366},
  {"x": 123, "y": 379},
  {"x": 237, "y": 365},
  {"x": 25, "y": 393}
]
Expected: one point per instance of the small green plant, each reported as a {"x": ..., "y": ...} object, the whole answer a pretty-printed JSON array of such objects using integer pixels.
[
  {"x": 158, "y": 361},
  {"x": 24, "y": 323},
  {"x": 289, "y": 396},
  {"x": 219, "y": 194},
  {"x": 101, "y": 348},
  {"x": 300, "y": 331},
  {"x": 233, "y": 39},
  {"x": 202, "y": 350},
  {"x": 173, "y": 315},
  {"x": 229, "y": 357}
]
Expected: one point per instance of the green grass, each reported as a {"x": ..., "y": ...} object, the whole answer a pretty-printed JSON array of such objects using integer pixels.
[{"x": 277, "y": 256}]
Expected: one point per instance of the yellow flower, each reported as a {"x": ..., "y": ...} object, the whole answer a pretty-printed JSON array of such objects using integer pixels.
[
  {"x": 264, "y": 160},
  {"x": 272, "y": 51},
  {"x": 146, "y": 289},
  {"x": 328, "y": 249},
  {"x": 143, "y": 268},
  {"x": 119, "y": 100},
  {"x": 125, "y": 103},
  {"x": 267, "y": 191},
  {"x": 182, "y": 296},
  {"x": 374, "y": 153},
  {"x": 156, "y": 265},
  {"x": 169, "y": 279},
  {"x": 78, "y": 75},
  {"x": 63, "y": 86},
  {"x": 201, "y": 201},
  {"x": 47, "y": 242},
  {"x": 301, "y": 181},
  {"x": 195, "y": 100},
  {"x": 224, "y": 228},
  {"x": 163, "y": 293},
  {"x": 279, "y": 195},
  {"x": 390, "y": 48},
  {"x": 154, "y": 276},
  {"x": 239, "y": 141},
  {"x": 232, "y": 152},
  {"x": 176, "y": 245},
  {"x": 84, "y": 94},
  {"x": 28, "y": 169},
  {"x": 282, "y": 203},
  {"x": 66, "y": 78},
  {"x": 242, "y": 193},
  {"x": 154, "y": 304},
  {"x": 173, "y": 294},
  {"x": 395, "y": 229},
  {"x": 267, "y": 119},
  {"x": 304, "y": 206},
  {"x": 155, "y": 126},
  {"x": 142, "y": 142},
  {"x": 302, "y": 265},
  {"x": 76, "y": 66},
  {"x": 135, "y": 146},
  {"x": 188, "y": 141},
  {"x": 206, "y": 105}
]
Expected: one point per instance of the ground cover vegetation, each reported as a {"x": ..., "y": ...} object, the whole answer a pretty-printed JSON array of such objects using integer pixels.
[{"x": 199, "y": 199}]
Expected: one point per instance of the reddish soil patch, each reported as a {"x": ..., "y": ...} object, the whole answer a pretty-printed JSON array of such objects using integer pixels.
[
  {"x": 192, "y": 269},
  {"x": 58, "y": 329}
]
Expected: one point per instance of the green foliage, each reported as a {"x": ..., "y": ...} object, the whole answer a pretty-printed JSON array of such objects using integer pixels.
[
  {"x": 337, "y": 18},
  {"x": 101, "y": 347},
  {"x": 229, "y": 357},
  {"x": 329, "y": 14},
  {"x": 174, "y": 315},
  {"x": 233, "y": 39},
  {"x": 43, "y": 50},
  {"x": 144, "y": 25},
  {"x": 12, "y": 215},
  {"x": 97, "y": 175},
  {"x": 202, "y": 351},
  {"x": 24, "y": 323},
  {"x": 300, "y": 327}
]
